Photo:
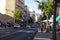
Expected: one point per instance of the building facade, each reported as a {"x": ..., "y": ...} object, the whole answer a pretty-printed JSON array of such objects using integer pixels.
[
  {"x": 37, "y": 15},
  {"x": 2, "y": 6},
  {"x": 9, "y": 7},
  {"x": 26, "y": 14},
  {"x": 58, "y": 9},
  {"x": 31, "y": 13}
]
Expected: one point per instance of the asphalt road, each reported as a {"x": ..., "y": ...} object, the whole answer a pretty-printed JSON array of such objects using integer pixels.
[
  {"x": 16, "y": 36},
  {"x": 5, "y": 32},
  {"x": 22, "y": 34}
]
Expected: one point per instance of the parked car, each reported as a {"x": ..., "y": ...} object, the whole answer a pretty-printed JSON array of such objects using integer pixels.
[
  {"x": 16, "y": 26},
  {"x": 9, "y": 24},
  {"x": 28, "y": 26}
]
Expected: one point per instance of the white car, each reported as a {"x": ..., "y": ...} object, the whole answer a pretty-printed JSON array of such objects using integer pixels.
[
  {"x": 28, "y": 26},
  {"x": 16, "y": 26}
]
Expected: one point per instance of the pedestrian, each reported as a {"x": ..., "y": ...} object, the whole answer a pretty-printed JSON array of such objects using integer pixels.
[
  {"x": 50, "y": 28},
  {"x": 41, "y": 29}
]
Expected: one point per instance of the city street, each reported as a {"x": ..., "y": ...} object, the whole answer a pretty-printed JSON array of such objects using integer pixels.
[
  {"x": 29, "y": 19},
  {"x": 26, "y": 34},
  {"x": 7, "y": 31},
  {"x": 18, "y": 34}
]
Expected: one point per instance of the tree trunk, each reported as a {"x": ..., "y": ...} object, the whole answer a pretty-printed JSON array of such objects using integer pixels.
[{"x": 47, "y": 23}]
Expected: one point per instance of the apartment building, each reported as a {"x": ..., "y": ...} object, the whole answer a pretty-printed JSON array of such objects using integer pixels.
[
  {"x": 37, "y": 15},
  {"x": 12, "y": 5},
  {"x": 32, "y": 13},
  {"x": 26, "y": 14},
  {"x": 8, "y": 7}
]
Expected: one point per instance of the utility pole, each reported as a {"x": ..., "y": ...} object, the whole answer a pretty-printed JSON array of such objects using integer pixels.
[{"x": 54, "y": 21}]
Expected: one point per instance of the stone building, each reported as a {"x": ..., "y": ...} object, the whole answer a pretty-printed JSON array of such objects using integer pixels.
[{"x": 8, "y": 7}]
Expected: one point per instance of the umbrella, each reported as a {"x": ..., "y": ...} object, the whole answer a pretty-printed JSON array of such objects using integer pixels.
[{"x": 57, "y": 18}]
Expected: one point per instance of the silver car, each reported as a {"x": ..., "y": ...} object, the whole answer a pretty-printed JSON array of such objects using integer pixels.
[{"x": 16, "y": 26}]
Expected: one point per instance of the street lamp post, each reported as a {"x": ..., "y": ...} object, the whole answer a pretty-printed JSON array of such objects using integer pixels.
[{"x": 54, "y": 21}]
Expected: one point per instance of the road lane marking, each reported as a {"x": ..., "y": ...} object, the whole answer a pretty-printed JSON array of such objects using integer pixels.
[
  {"x": 42, "y": 38},
  {"x": 25, "y": 31}
]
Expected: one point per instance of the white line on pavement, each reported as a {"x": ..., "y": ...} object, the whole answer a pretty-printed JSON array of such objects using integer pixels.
[{"x": 42, "y": 38}]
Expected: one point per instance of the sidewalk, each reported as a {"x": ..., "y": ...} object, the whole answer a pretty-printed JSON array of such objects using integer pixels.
[{"x": 43, "y": 35}]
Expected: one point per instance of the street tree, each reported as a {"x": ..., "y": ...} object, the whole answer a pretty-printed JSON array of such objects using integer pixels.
[
  {"x": 42, "y": 17},
  {"x": 47, "y": 7},
  {"x": 18, "y": 15}
]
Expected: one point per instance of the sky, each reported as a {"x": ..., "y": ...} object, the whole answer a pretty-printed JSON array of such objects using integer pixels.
[{"x": 33, "y": 5}]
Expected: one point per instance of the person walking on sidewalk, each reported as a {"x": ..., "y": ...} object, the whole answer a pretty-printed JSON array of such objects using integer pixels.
[{"x": 41, "y": 29}]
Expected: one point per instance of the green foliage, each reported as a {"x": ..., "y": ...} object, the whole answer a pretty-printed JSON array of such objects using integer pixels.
[
  {"x": 47, "y": 7},
  {"x": 18, "y": 15},
  {"x": 42, "y": 17}
]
